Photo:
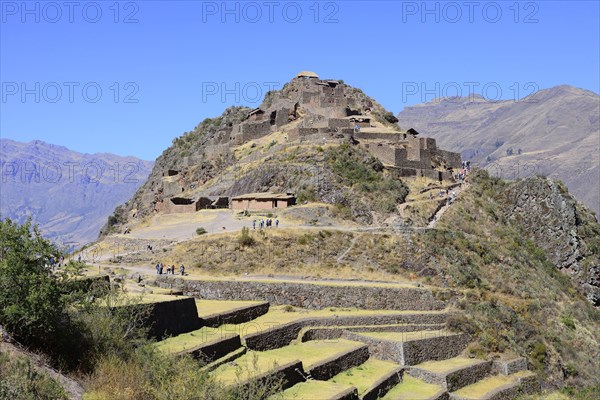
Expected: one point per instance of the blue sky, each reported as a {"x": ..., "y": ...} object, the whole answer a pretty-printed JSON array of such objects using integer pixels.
[{"x": 128, "y": 77}]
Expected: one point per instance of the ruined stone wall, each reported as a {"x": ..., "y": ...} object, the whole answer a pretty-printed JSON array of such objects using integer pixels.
[
  {"x": 413, "y": 152},
  {"x": 414, "y": 352},
  {"x": 215, "y": 151},
  {"x": 282, "y": 117},
  {"x": 452, "y": 159},
  {"x": 269, "y": 337},
  {"x": 327, "y": 369},
  {"x": 384, "y": 152},
  {"x": 339, "y": 123},
  {"x": 170, "y": 317},
  {"x": 307, "y": 295},
  {"x": 167, "y": 207},
  {"x": 388, "y": 137},
  {"x": 238, "y": 316},
  {"x": 427, "y": 143}
]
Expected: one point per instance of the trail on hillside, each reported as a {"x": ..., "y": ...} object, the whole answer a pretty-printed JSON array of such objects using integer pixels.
[{"x": 449, "y": 202}]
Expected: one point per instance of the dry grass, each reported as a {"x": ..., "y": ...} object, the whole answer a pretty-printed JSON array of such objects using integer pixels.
[{"x": 481, "y": 388}]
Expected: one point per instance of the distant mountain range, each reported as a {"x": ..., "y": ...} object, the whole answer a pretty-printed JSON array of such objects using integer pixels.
[
  {"x": 69, "y": 194},
  {"x": 554, "y": 132}
]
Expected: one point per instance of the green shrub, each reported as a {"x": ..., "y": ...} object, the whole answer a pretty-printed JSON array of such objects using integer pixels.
[
  {"x": 569, "y": 322},
  {"x": 21, "y": 380},
  {"x": 200, "y": 231},
  {"x": 244, "y": 238}
]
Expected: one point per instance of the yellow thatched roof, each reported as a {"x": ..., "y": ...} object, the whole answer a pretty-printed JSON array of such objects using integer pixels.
[{"x": 308, "y": 74}]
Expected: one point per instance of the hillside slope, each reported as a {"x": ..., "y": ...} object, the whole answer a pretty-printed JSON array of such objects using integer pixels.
[
  {"x": 227, "y": 156},
  {"x": 557, "y": 131},
  {"x": 67, "y": 193}
]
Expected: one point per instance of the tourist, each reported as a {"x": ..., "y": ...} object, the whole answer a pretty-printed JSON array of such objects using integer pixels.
[
  {"x": 254, "y": 224},
  {"x": 276, "y": 223},
  {"x": 157, "y": 268},
  {"x": 181, "y": 270},
  {"x": 160, "y": 270}
]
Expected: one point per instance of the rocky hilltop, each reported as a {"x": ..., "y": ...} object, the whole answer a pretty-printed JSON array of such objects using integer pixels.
[
  {"x": 291, "y": 143},
  {"x": 365, "y": 205},
  {"x": 554, "y": 132},
  {"x": 69, "y": 194}
]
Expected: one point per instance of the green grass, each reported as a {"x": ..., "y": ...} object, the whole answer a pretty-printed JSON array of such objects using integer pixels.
[
  {"x": 445, "y": 366},
  {"x": 148, "y": 298},
  {"x": 190, "y": 340},
  {"x": 208, "y": 308},
  {"x": 480, "y": 389},
  {"x": 412, "y": 389},
  {"x": 317, "y": 283},
  {"x": 255, "y": 363},
  {"x": 314, "y": 390},
  {"x": 278, "y": 315},
  {"x": 406, "y": 336},
  {"x": 364, "y": 376}
]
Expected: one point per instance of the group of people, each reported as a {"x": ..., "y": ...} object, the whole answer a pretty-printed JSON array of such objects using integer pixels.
[
  {"x": 170, "y": 270},
  {"x": 262, "y": 223},
  {"x": 442, "y": 192},
  {"x": 462, "y": 174},
  {"x": 56, "y": 261}
]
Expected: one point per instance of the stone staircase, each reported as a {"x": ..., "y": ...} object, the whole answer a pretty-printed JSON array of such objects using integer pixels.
[{"x": 343, "y": 353}]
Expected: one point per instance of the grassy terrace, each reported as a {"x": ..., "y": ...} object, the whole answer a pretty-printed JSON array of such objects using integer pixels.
[
  {"x": 208, "y": 308},
  {"x": 192, "y": 277},
  {"x": 190, "y": 340},
  {"x": 277, "y": 315},
  {"x": 412, "y": 389},
  {"x": 357, "y": 328},
  {"x": 480, "y": 389},
  {"x": 280, "y": 315},
  {"x": 406, "y": 336},
  {"x": 445, "y": 366},
  {"x": 256, "y": 363},
  {"x": 314, "y": 390},
  {"x": 147, "y": 298},
  {"x": 364, "y": 376}
]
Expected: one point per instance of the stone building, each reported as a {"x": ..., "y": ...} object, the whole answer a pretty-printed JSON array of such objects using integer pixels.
[
  {"x": 262, "y": 201},
  {"x": 312, "y": 110}
]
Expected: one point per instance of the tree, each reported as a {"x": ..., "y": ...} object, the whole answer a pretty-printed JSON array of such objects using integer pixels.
[{"x": 32, "y": 305}]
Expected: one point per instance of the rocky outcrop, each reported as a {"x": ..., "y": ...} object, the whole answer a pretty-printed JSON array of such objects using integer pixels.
[{"x": 566, "y": 230}]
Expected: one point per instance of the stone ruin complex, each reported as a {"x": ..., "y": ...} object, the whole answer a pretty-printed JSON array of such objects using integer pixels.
[{"x": 313, "y": 110}]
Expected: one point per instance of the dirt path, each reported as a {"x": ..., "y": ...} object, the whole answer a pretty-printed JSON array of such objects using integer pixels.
[
  {"x": 449, "y": 201},
  {"x": 341, "y": 257}
]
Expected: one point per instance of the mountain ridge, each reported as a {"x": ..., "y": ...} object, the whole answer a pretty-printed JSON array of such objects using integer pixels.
[
  {"x": 69, "y": 194},
  {"x": 553, "y": 132}
]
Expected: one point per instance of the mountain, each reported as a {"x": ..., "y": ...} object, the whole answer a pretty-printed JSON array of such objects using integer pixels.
[
  {"x": 69, "y": 194},
  {"x": 518, "y": 262},
  {"x": 337, "y": 133},
  {"x": 554, "y": 132}
]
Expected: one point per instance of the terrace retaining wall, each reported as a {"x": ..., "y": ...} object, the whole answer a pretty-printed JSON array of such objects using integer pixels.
[
  {"x": 307, "y": 295},
  {"x": 282, "y": 335}
]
